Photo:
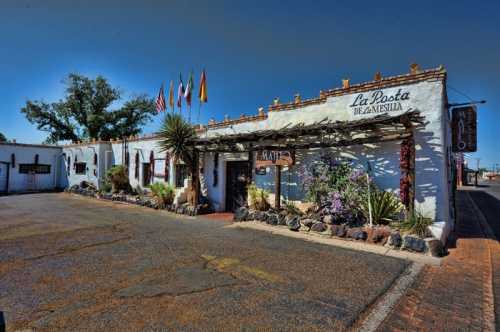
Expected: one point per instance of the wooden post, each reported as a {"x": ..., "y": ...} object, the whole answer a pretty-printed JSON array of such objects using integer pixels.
[
  {"x": 277, "y": 187},
  {"x": 251, "y": 171}
]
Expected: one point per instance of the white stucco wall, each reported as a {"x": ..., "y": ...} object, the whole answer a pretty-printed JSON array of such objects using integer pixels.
[
  {"x": 85, "y": 153},
  {"x": 432, "y": 141},
  {"x": 25, "y": 154}
]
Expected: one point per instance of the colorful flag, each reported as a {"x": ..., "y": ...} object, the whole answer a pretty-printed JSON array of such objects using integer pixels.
[
  {"x": 180, "y": 93},
  {"x": 171, "y": 95},
  {"x": 189, "y": 89},
  {"x": 202, "y": 94},
  {"x": 160, "y": 101}
]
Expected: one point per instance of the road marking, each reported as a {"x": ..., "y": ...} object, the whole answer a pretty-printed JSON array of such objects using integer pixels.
[{"x": 227, "y": 264}]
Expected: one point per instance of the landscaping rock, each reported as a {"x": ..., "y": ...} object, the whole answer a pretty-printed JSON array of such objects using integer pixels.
[
  {"x": 293, "y": 223},
  {"x": 378, "y": 234},
  {"x": 319, "y": 227},
  {"x": 328, "y": 219},
  {"x": 272, "y": 219},
  {"x": 357, "y": 233},
  {"x": 281, "y": 219},
  {"x": 413, "y": 243},
  {"x": 251, "y": 215},
  {"x": 307, "y": 222},
  {"x": 395, "y": 240},
  {"x": 241, "y": 214},
  {"x": 435, "y": 247},
  {"x": 339, "y": 230}
]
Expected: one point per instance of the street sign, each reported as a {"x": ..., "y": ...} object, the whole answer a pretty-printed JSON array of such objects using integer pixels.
[
  {"x": 464, "y": 129},
  {"x": 274, "y": 158}
]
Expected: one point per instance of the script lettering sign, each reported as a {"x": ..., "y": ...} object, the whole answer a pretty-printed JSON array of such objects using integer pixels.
[
  {"x": 464, "y": 129},
  {"x": 379, "y": 102}
]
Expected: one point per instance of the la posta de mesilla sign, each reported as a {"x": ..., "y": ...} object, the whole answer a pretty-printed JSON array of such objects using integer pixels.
[{"x": 379, "y": 102}]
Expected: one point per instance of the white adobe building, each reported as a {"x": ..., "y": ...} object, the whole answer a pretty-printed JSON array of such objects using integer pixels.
[{"x": 422, "y": 91}]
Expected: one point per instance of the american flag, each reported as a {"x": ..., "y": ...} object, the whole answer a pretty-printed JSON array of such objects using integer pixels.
[{"x": 160, "y": 101}]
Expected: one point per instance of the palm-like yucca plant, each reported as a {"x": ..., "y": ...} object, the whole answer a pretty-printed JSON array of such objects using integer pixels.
[
  {"x": 385, "y": 207},
  {"x": 174, "y": 134}
]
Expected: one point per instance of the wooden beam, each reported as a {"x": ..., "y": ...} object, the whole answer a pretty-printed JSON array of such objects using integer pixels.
[{"x": 277, "y": 187}]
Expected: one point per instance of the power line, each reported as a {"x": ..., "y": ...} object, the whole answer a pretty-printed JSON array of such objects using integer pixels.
[{"x": 459, "y": 92}]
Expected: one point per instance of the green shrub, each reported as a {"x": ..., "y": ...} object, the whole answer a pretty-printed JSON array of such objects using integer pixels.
[
  {"x": 258, "y": 198},
  {"x": 118, "y": 178},
  {"x": 416, "y": 223},
  {"x": 106, "y": 187},
  {"x": 385, "y": 207},
  {"x": 163, "y": 193}
]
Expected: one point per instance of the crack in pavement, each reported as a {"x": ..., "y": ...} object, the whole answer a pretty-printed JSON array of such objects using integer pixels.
[{"x": 70, "y": 250}]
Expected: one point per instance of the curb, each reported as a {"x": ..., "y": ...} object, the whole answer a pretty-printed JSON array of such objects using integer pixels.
[{"x": 352, "y": 245}]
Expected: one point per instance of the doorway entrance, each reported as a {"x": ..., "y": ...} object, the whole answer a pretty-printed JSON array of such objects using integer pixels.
[
  {"x": 146, "y": 174},
  {"x": 4, "y": 177},
  {"x": 237, "y": 179}
]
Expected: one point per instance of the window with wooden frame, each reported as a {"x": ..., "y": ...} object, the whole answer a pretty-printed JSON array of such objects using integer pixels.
[
  {"x": 34, "y": 169},
  {"x": 80, "y": 168}
]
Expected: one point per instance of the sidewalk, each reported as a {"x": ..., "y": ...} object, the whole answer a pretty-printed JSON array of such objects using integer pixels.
[{"x": 458, "y": 295}]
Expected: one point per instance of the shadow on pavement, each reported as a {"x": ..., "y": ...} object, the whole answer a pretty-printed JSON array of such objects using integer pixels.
[{"x": 490, "y": 207}]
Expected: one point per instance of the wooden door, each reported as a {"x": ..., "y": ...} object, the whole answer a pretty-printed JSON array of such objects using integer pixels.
[{"x": 237, "y": 178}]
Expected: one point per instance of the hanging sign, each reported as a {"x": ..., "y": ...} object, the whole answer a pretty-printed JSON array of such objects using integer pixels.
[
  {"x": 464, "y": 129},
  {"x": 274, "y": 157}
]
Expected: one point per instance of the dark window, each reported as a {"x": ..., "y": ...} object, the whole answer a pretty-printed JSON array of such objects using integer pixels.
[
  {"x": 181, "y": 173},
  {"x": 95, "y": 159},
  {"x": 69, "y": 165},
  {"x": 34, "y": 169},
  {"x": 136, "y": 165},
  {"x": 80, "y": 168}
]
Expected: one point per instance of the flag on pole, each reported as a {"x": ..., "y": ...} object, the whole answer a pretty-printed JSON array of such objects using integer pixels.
[
  {"x": 160, "y": 101},
  {"x": 189, "y": 89},
  {"x": 202, "y": 94},
  {"x": 180, "y": 93},
  {"x": 171, "y": 95}
]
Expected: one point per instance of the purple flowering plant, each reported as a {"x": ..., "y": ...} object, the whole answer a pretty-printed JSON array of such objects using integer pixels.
[{"x": 335, "y": 186}]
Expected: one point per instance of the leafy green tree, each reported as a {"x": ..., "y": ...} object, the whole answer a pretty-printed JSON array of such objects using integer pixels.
[
  {"x": 85, "y": 113},
  {"x": 3, "y": 138}
]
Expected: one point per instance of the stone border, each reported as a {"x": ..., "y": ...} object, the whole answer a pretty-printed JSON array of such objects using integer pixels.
[{"x": 353, "y": 245}]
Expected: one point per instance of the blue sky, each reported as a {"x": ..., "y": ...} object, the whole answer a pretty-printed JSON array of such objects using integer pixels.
[{"x": 253, "y": 51}]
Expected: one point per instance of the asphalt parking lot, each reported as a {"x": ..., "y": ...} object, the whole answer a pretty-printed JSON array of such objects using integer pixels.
[{"x": 72, "y": 263}]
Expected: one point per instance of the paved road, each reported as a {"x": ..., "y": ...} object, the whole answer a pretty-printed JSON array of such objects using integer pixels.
[
  {"x": 487, "y": 198},
  {"x": 70, "y": 263}
]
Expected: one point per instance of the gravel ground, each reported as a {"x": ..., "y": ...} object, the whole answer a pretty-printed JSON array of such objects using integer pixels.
[{"x": 72, "y": 263}]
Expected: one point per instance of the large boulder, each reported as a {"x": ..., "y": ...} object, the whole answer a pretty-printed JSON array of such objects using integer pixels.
[
  {"x": 413, "y": 243},
  {"x": 378, "y": 234},
  {"x": 307, "y": 222},
  {"x": 357, "y": 233},
  {"x": 339, "y": 230},
  {"x": 281, "y": 219},
  {"x": 241, "y": 214},
  {"x": 435, "y": 247},
  {"x": 272, "y": 219},
  {"x": 319, "y": 227},
  {"x": 293, "y": 223},
  {"x": 395, "y": 240}
]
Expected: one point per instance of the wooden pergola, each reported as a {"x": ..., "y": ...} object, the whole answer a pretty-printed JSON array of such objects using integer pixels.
[{"x": 321, "y": 134}]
